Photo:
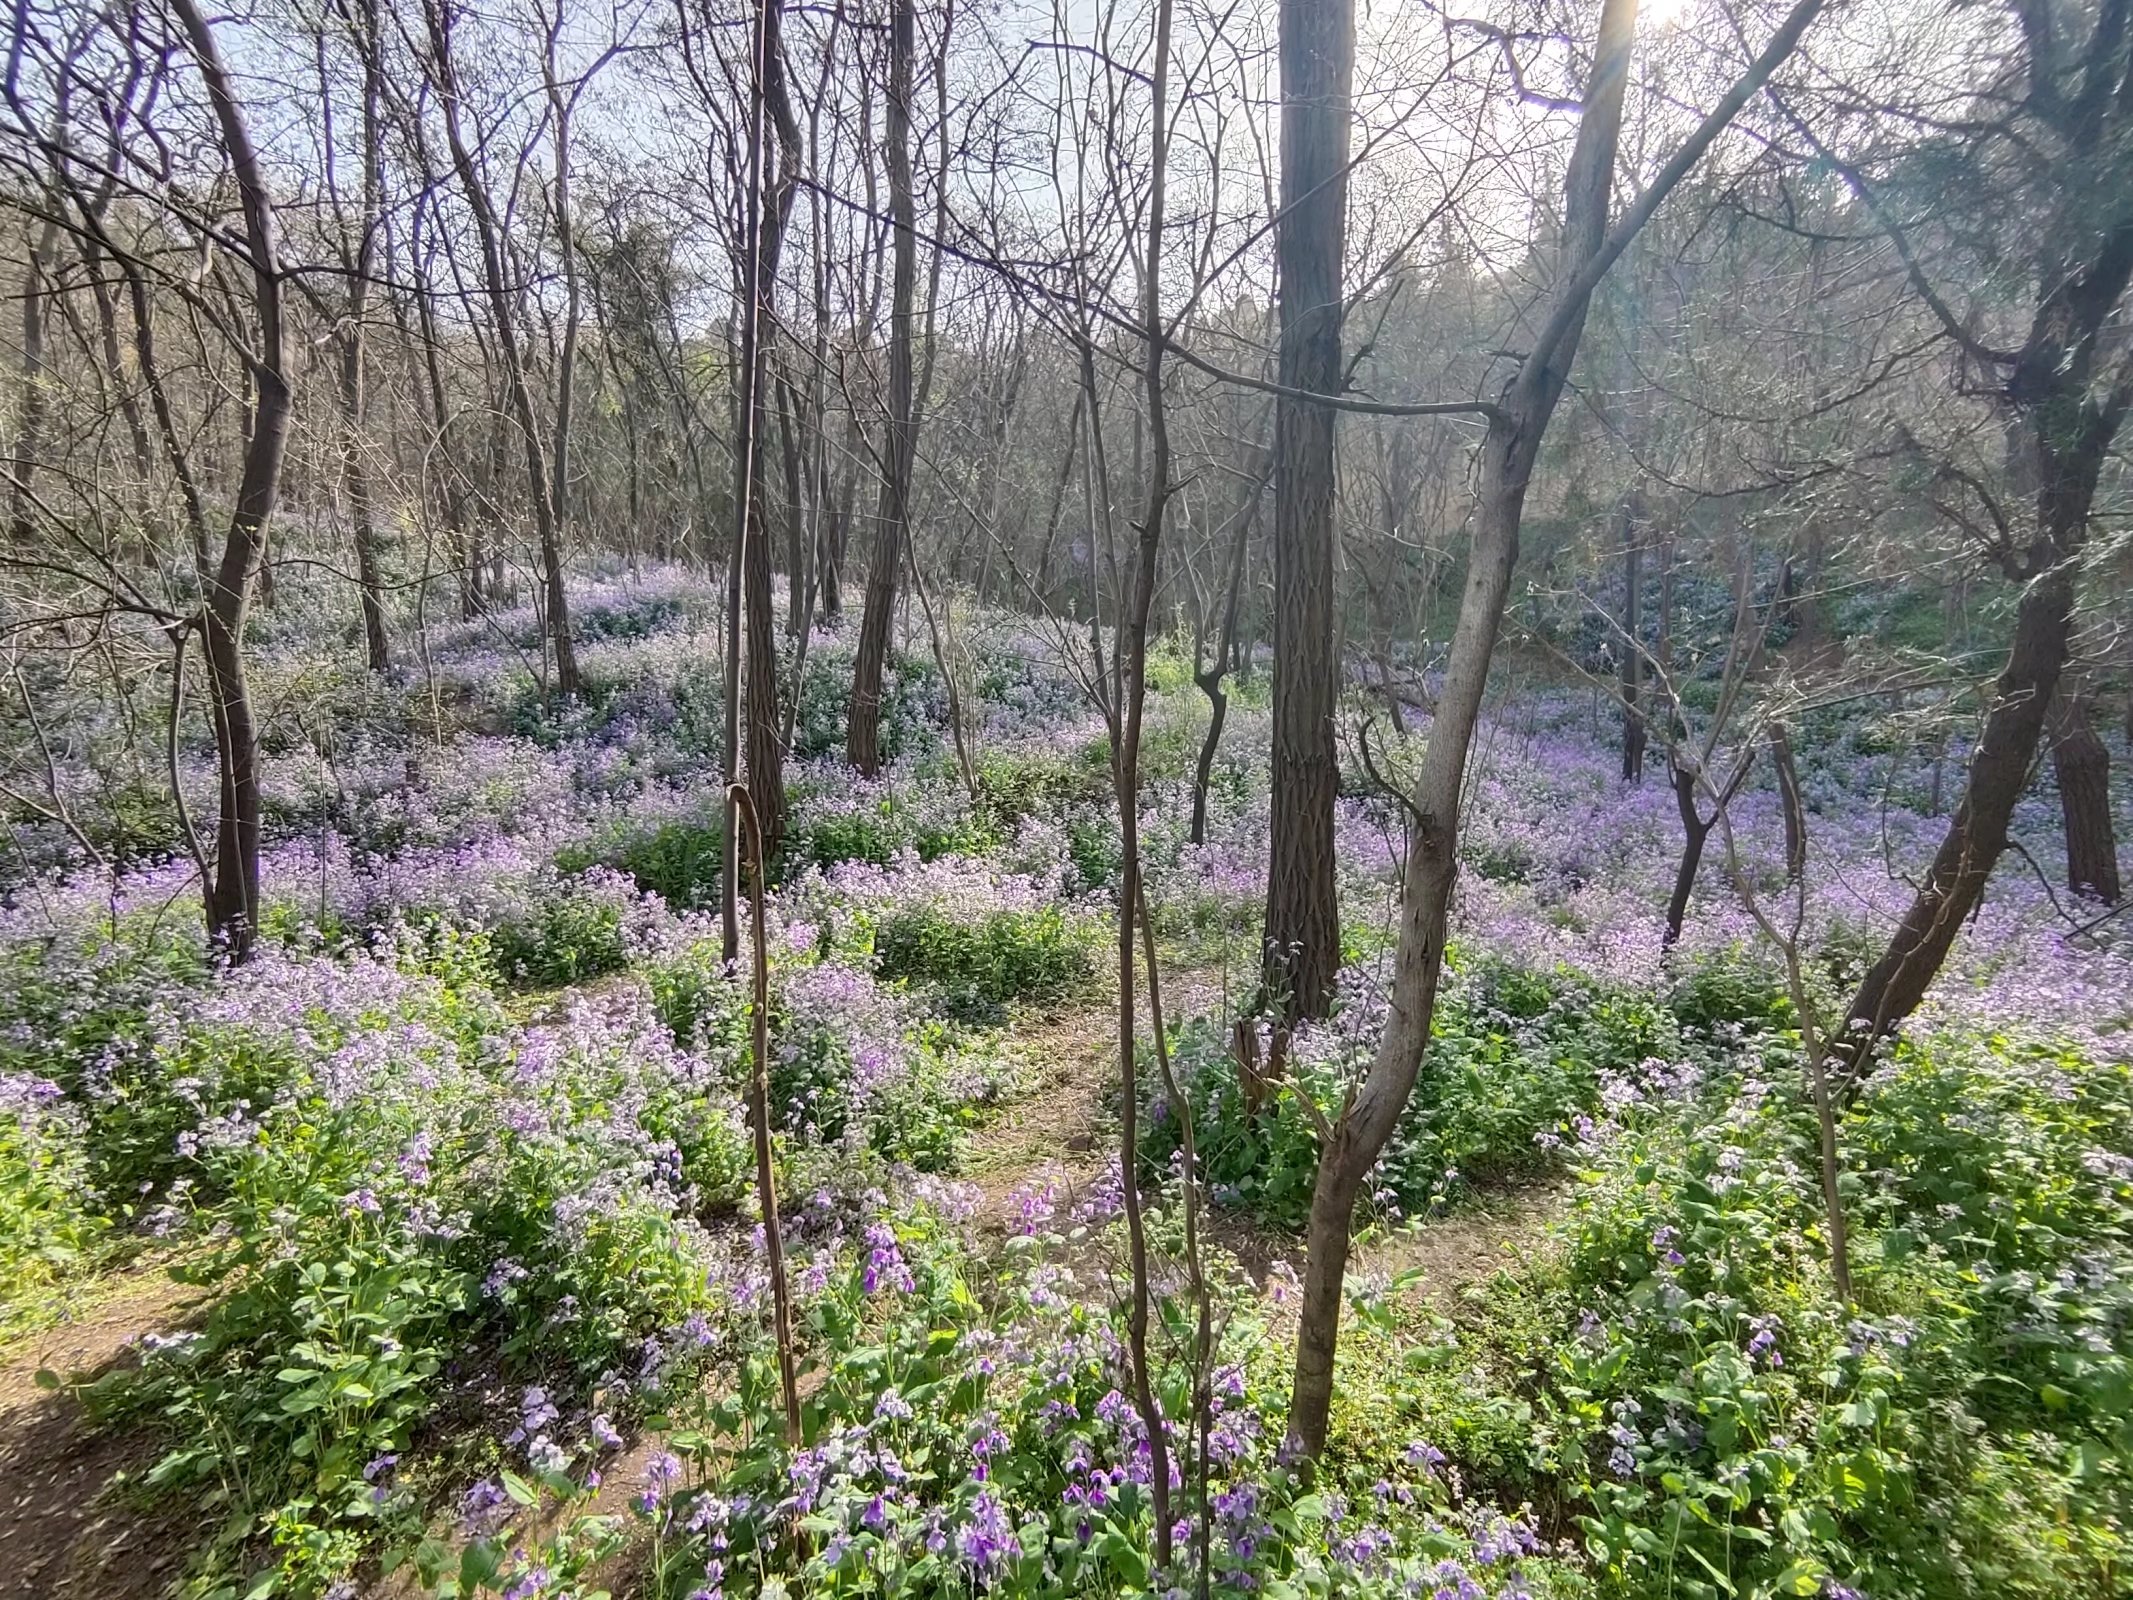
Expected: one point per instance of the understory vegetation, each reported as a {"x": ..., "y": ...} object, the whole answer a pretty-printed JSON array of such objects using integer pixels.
[
  {"x": 1142, "y": 801},
  {"x": 458, "y": 1169}
]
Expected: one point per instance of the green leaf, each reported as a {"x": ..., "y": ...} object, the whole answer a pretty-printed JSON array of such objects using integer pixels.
[
  {"x": 1804, "y": 1576},
  {"x": 479, "y": 1564}
]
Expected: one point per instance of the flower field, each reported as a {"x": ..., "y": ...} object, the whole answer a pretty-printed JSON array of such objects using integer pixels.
[{"x": 456, "y": 1184}]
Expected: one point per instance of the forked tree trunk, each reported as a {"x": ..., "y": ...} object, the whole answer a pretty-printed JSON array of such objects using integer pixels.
[
  {"x": 1303, "y": 936},
  {"x": 233, "y": 895},
  {"x": 2081, "y": 763},
  {"x": 1695, "y": 831},
  {"x": 892, "y": 528},
  {"x": 1516, "y": 426}
]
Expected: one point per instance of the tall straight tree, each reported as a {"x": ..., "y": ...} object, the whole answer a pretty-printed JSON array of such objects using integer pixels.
[
  {"x": 1583, "y": 251},
  {"x": 777, "y": 164},
  {"x": 1303, "y": 939},
  {"x": 497, "y": 281},
  {"x": 359, "y": 246},
  {"x": 862, "y": 746}
]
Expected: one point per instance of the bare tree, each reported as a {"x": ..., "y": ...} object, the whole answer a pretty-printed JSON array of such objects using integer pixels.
[
  {"x": 1516, "y": 422},
  {"x": 1303, "y": 936},
  {"x": 2062, "y": 390},
  {"x": 892, "y": 524},
  {"x": 503, "y": 314}
]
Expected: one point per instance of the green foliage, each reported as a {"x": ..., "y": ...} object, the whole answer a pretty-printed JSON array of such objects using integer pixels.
[
  {"x": 638, "y": 618},
  {"x": 1725, "y": 1427},
  {"x": 407, "y": 1197},
  {"x": 933, "y": 1466},
  {"x": 927, "y": 817},
  {"x": 913, "y": 703},
  {"x": 49, "y": 1229},
  {"x": 682, "y": 863},
  {"x": 1740, "y": 988},
  {"x": 1013, "y": 784},
  {"x": 1513, "y": 1055},
  {"x": 976, "y": 969},
  {"x": 565, "y": 938}
]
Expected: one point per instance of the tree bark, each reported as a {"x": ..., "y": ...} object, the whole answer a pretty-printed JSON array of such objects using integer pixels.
[
  {"x": 2081, "y": 764},
  {"x": 1210, "y": 677},
  {"x": 233, "y": 896},
  {"x": 1695, "y": 830},
  {"x": 354, "y": 342},
  {"x": 780, "y": 186},
  {"x": 892, "y": 527},
  {"x": 1788, "y": 781},
  {"x": 1516, "y": 426},
  {"x": 1633, "y": 729},
  {"x": 1303, "y": 939},
  {"x": 29, "y": 433}
]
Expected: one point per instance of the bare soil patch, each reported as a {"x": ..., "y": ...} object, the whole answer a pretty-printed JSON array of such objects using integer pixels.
[{"x": 65, "y": 1533}]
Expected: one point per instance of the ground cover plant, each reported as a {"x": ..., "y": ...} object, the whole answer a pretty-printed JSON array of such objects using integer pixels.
[
  {"x": 1156, "y": 802},
  {"x": 461, "y": 1166}
]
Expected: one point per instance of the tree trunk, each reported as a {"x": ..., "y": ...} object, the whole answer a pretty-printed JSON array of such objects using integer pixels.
[
  {"x": 488, "y": 233},
  {"x": 354, "y": 397},
  {"x": 779, "y": 180},
  {"x": 1694, "y": 831},
  {"x": 1788, "y": 781},
  {"x": 1516, "y": 426},
  {"x": 1633, "y": 730},
  {"x": 2064, "y": 396},
  {"x": 796, "y": 578},
  {"x": 1999, "y": 772},
  {"x": 2082, "y": 766},
  {"x": 1303, "y": 936},
  {"x": 892, "y": 528},
  {"x": 233, "y": 896},
  {"x": 1210, "y": 678},
  {"x": 29, "y": 434}
]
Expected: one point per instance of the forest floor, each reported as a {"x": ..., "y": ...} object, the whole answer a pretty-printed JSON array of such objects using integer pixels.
[
  {"x": 70, "y": 1530},
  {"x": 67, "y": 1529}
]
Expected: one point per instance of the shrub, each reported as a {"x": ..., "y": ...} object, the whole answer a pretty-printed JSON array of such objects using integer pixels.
[
  {"x": 1513, "y": 1056},
  {"x": 913, "y": 703},
  {"x": 846, "y": 818},
  {"x": 964, "y": 1442},
  {"x": 1724, "y": 1426},
  {"x": 682, "y": 863}
]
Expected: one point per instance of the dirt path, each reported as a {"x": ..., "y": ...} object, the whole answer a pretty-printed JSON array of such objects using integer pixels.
[
  {"x": 1064, "y": 1130},
  {"x": 62, "y": 1535}
]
